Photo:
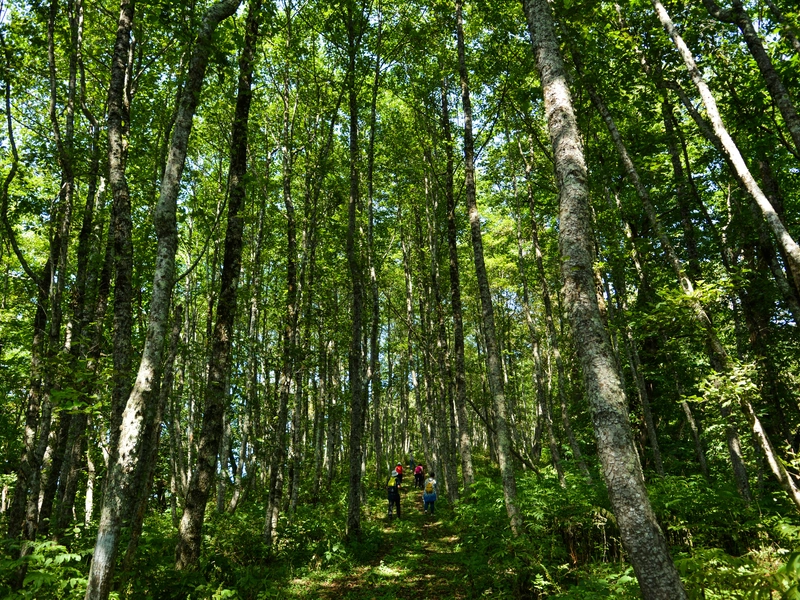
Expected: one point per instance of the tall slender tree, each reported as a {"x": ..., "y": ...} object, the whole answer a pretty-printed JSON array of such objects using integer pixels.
[
  {"x": 146, "y": 389},
  {"x": 219, "y": 363},
  {"x": 493, "y": 359},
  {"x": 354, "y": 26},
  {"x": 641, "y": 534}
]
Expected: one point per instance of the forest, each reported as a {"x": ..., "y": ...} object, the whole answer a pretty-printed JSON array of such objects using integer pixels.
[{"x": 256, "y": 254}]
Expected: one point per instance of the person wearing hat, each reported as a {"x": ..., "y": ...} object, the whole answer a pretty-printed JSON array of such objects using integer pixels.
[
  {"x": 429, "y": 494},
  {"x": 393, "y": 493}
]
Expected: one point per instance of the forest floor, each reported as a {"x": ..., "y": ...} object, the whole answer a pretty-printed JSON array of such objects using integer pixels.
[{"x": 418, "y": 557}]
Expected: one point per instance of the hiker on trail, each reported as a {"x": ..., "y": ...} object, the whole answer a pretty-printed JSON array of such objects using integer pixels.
[
  {"x": 399, "y": 470},
  {"x": 429, "y": 493},
  {"x": 393, "y": 492},
  {"x": 411, "y": 462},
  {"x": 418, "y": 477}
]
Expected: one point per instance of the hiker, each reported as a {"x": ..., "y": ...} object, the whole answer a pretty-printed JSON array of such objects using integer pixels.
[
  {"x": 399, "y": 470},
  {"x": 429, "y": 494},
  {"x": 411, "y": 462},
  {"x": 418, "y": 477},
  {"x": 393, "y": 492}
]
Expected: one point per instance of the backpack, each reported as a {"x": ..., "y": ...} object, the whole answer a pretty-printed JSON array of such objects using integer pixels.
[
  {"x": 429, "y": 486},
  {"x": 391, "y": 485}
]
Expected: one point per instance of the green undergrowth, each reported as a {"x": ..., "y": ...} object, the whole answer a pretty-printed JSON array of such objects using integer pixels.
[{"x": 570, "y": 548}]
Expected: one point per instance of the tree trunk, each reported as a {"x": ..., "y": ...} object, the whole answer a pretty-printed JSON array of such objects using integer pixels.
[
  {"x": 410, "y": 363},
  {"x": 331, "y": 410},
  {"x": 82, "y": 344},
  {"x": 88, "y": 501},
  {"x": 321, "y": 415},
  {"x": 152, "y": 436},
  {"x": 118, "y": 134},
  {"x": 374, "y": 373},
  {"x": 785, "y": 240},
  {"x": 276, "y": 467},
  {"x": 27, "y": 471},
  {"x": 737, "y": 15},
  {"x": 698, "y": 445},
  {"x": 541, "y": 392},
  {"x": 187, "y": 551},
  {"x": 59, "y": 247},
  {"x": 460, "y": 398},
  {"x": 145, "y": 390},
  {"x": 632, "y": 354},
  {"x": 50, "y": 476},
  {"x": 443, "y": 374},
  {"x": 357, "y": 409},
  {"x": 553, "y": 337},
  {"x": 681, "y": 195},
  {"x": 641, "y": 535},
  {"x": 494, "y": 368}
]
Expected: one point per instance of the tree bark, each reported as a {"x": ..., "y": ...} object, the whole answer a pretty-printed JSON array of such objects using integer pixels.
[
  {"x": 276, "y": 474},
  {"x": 541, "y": 392},
  {"x": 641, "y": 535},
  {"x": 494, "y": 368},
  {"x": 785, "y": 240},
  {"x": 190, "y": 531},
  {"x": 40, "y": 499},
  {"x": 460, "y": 397},
  {"x": 82, "y": 316},
  {"x": 27, "y": 468},
  {"x": 374, "y": 374},
  {"x": 443, "y": 373},
  {"x": 410, "y": 363},
  {"x": 118, "y": 133},
  {"x": 553, "y": 337},
  {"x": 152, "y": 438},
  {"x": 145, "y": 390},
  {"x": 737, "y": 15},
  {"x": 357, "y": 409},
  {"x": 681, "y": 194}
]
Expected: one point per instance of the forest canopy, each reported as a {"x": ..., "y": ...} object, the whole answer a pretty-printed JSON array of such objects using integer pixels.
[{"x": 256, "y": 255}]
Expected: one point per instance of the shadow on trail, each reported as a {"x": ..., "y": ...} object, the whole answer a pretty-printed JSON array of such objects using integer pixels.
[{"x": 417, "y": 557}]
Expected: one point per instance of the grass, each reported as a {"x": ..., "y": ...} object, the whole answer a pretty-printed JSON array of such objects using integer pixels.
[
  {"x": 417, "y": 556},
  {"x": 570, "y": 549}
]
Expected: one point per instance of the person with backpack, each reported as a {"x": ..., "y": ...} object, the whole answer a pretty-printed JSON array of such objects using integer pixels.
[
  {"x": 393, "y": 493},
  {"x": 429, "y": 494},
  {"x": 399, "y": 470},
  {"x": 418, "y": 477}
]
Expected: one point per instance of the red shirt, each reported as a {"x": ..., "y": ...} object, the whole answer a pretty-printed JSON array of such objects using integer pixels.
[{"x": 399, "y": 469}]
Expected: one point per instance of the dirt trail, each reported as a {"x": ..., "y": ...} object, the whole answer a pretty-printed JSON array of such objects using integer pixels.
[{"x": 418, "y": 558}]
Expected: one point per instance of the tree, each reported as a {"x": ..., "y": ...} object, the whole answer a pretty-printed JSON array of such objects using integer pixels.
[
  {"x": 188, "y": 549},
  {"x": 622, "y": 471},
  {"x": 145, "y": 394},
  {"x": 492, "y": 354}
]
